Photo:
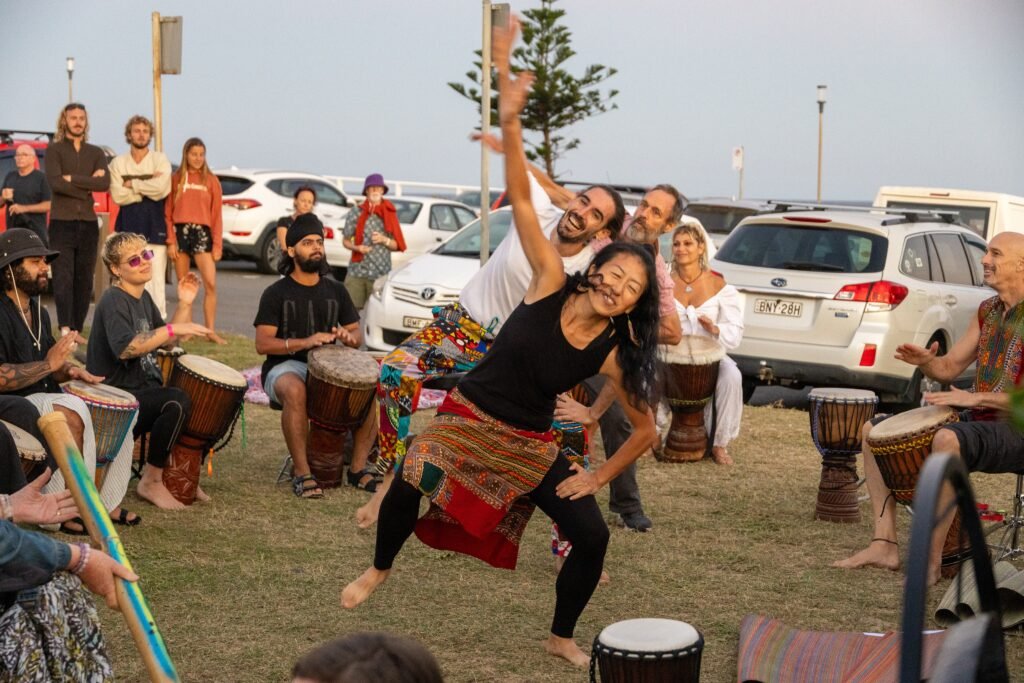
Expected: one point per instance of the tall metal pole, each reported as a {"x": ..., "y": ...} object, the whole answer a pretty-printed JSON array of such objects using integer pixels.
[
  {"x": 821, "y": 123},
  {"x": 158, "y": 129},
  {"x": 485, "y": 126},
  {"x": 741, "y": 177},
  {"x": 71, "y": 70}
]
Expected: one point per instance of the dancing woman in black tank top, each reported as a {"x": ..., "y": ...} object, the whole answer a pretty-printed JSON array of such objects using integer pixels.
[{"x": 488, "y": 457}]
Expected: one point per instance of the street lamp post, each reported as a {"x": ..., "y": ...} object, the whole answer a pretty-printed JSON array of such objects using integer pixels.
[
  {"x": 71, "y": 71},
  {"x": 821, "y": 118}
]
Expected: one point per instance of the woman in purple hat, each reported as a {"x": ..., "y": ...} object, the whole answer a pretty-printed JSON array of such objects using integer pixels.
[{"x": 372, "y": 233}]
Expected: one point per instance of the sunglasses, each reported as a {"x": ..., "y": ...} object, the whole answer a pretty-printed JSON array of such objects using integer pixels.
[{"x": 136, "y": 261}]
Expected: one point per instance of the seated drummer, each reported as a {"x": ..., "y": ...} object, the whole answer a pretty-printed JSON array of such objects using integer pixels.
[
  {"x": 301, "y": 311},
  {"x": 987, "y": 444},
  {"x": 126, "y": 329},
  {"x": 33, "y": 365}
]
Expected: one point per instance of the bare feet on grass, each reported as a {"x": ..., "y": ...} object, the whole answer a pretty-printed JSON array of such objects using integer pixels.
[
  {"x": 154, "y": 491},
  {"x": 356, "y": 592},
  {"x": 366, "y": 516},
  {"x": 880, "y": 552},
  {"x": 201, "y": 495},
  {"x": 603, "y": 581},
  {"x": 567, "y": 649},
  {"x": 721, "y": 456}
]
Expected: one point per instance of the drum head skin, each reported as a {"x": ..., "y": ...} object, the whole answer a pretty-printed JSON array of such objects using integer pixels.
[
  {"x": 344, "y": 367},
  {"x": 649, "y": 635},
  {"x": 28, "y": 446},
  {"x": 693, "y": 350},
  {"x": 173, "y": 352},
  {"x": 212, "y": 370},
  {"x": 839, "y": 394},
  {"x": 100, "y": 393},
  {"x": 911, "y": 422}
]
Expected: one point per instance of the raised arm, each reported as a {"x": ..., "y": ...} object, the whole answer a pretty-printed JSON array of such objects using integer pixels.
[{"x": 548, "y": 272}]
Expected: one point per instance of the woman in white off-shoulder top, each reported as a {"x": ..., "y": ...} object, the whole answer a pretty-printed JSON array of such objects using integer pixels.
[{"x": 709, "y": 307}]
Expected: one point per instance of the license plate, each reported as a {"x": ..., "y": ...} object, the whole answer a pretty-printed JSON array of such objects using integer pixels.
[
  {"x": 789, "y": 309},
  {"x": 415, "y": 323}
]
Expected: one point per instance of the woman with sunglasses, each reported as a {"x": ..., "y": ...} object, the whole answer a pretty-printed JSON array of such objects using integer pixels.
[{"x": 126, "y": 330}]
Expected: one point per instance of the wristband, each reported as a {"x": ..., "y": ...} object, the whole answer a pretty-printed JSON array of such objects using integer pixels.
[
  {"x": 83, "y": 558},
  {"x": 290, "y": 352},
  {"x": 6, "y": 509},
  {"x": 170, "y": 331}
]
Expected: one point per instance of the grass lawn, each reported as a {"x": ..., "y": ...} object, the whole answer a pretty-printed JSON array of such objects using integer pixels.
[{"x": 245, "y": 584}]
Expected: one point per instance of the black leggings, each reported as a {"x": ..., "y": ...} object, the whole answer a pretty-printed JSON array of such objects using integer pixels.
[
  {"x": 162, "y": 414},
  {"x": 579, "y": 520}
]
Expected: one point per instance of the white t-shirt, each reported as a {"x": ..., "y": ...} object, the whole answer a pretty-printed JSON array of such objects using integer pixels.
[{"x": 497, "y": 288}]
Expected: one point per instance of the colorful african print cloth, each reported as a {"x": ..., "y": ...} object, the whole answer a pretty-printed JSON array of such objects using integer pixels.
[
  {"x": 52, "y": 633},
  {"x": 574, "y": 443},
  {"x": 476, "y": 472},
  {"x": 454, "y": 342},
  {"x": 999, "y": 345}
]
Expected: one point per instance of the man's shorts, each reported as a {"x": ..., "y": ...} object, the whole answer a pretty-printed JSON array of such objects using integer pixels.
[
  {"x": 991, "y": 446},
  {"x": 296, "y": 367}
]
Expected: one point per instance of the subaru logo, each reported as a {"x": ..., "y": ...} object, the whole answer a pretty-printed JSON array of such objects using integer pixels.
[
  {"x": 779, "y": 282},
  {"x": 428, "y": 293}
]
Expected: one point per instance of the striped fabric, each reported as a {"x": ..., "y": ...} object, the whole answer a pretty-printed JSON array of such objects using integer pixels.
[{"x": 771, "y": 652}]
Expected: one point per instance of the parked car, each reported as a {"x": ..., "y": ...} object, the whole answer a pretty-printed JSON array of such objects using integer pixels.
[
  {"x": 254, "y": 201},
  {"x": 720, "y": 215},
  {"x": 828, "y": 295},
  {"x": 497, "y": 199},
  {"x": 402, "y": 302},
  {"x": 426, "y": 222}
]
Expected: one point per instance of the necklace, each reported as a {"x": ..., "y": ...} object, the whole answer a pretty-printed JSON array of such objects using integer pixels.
[
  {"x": 688, "y": 283},
  {"x": 37, "y": 336}
]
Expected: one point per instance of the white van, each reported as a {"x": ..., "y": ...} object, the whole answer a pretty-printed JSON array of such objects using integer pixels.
[{"x": 987, "y": 213}]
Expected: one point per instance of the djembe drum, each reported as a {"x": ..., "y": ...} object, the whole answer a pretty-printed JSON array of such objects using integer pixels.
[
  {"x": 216, "y": 392},
  {"x": 29, "y": 450},
  {"x": 340, "y": 388},
  {"x": 112, "y": 411},
  {"x": 837, "y": 416},
  {"x": 690, "y": 372},
  {"x": 647, "y": 651},
  {"x": 165, "y": 359},
  {"x": 900, "y": 445}
]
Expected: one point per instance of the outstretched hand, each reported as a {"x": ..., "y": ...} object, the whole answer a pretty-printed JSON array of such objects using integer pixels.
[
  {"x": 31, "y": 506},
  {"x": 188, "y": 288},
  {"x": 916, "y": 355},
  {"x": 493, "y": 142},
  {"x": 955, "y": 398},
  {"x": 513, "y": 88}
]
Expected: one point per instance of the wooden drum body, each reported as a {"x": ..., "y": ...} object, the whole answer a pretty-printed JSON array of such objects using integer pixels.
[
  {"x": 837, "y": 417},
  {"x": 165, "y": 359},
  {"x": 340, "y": 388},
  {"x": 690, "y": 372},
  {"x": 900, "y": 445},
  {"x": 647, "y": 651},
  {"x": 31, "y": 452},
  {"x": 216, "y": 392},
  {"x": 112, "y": 411}
]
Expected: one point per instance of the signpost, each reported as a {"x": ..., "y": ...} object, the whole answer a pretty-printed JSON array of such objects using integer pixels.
[
  {"x": 166, "y": 60},
  {"x": 737, "y": 165}
]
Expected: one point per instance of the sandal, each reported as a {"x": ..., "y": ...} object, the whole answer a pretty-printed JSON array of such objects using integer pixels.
[
  {"x": 123, "y": 520},
  {"x": 310, "y": 492},
  {"x": 70, "y": 531},
  {"x": 356, "y": 479}
]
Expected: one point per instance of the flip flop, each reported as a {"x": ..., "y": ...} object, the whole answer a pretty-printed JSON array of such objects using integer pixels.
[
  {"x": 64, "y": 528},
  {"x": 122, "y": 519}
]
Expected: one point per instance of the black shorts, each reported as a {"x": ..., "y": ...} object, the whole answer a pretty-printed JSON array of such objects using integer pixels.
[
  {"x": 193, "y": 238},
  {"x": 992, "y": 446}
]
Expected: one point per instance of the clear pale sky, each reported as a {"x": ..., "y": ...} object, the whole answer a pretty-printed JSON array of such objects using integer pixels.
[{"x": 920, "y": 92}]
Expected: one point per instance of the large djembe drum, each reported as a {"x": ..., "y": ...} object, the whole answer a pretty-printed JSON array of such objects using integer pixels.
[
  {"x": 647, "y": 651},
  {"x": 690, "y": 372},
  {"x": 340, "y": 387},
  {"x": 33, "y": 457},
  {"x": 112, "y": 411},
  {"x": 837, "y": 417},
  {"x": 216, "y": 392},
  {"x": 165, "y": 360},
  {"x": 900, "y": 445}
]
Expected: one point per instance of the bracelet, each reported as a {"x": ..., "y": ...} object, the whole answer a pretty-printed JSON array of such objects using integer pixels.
[
  {"x": 6, "y": 509},
  {"x": 286, "y": 347},
  {"x": 83, "y": 558},
  {"x": 170, "y": 331}
]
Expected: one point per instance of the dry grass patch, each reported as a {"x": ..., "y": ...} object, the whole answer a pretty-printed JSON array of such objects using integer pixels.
[{"x": 245, "y": 584}]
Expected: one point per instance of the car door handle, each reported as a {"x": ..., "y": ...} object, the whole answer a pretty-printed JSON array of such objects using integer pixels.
[
  {"x": 438, "y": 239},
  {"x": 949, "y": 300}
]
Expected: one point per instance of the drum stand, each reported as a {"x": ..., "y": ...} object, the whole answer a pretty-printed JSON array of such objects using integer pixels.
[{"x": 1009, "y": 545}]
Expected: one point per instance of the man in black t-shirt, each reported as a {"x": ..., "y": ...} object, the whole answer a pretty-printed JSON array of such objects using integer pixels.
[
  {"x": 26, "y": 195},
  {"x": 299, "y": 312}
]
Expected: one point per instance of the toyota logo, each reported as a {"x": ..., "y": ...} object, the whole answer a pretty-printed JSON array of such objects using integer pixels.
[
  {"x": 779, "y": 282},
  {"x": 428, "y": 293}
]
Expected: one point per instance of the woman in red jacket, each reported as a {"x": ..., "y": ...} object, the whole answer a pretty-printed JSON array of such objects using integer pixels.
[{"x": 194, "y": 228}]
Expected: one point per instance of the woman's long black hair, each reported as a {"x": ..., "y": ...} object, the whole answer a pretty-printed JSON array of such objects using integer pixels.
[{"x": 637, "y": 331}]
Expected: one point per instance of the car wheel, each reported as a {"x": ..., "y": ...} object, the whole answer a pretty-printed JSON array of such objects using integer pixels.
[
  {"x": 269, "y": 252},
  {"x": 749, "y": 386}
]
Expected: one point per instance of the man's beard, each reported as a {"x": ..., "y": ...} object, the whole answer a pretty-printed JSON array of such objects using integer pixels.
[
  {"x": 29, "y": 285},
  {"x": 565, "y": 226},
  {"x": 137, "y": 146},
  {"x": 640, "y": 233},
  {"x": 310, "y": 265}
]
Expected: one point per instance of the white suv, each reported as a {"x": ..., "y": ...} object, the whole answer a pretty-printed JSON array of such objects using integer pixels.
[
  {"x": 828, "y": 294},
  {"x": 253, "y": 202}
]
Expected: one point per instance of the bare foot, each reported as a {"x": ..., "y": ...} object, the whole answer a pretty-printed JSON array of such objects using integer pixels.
[
  {"x": 879, "y": 553},
  {"x": 201, "y": 495},
  {"x": 157, "y": 494},
  {"x": 356, "y": 592},
  {"x": 721, "y": 456},
  {"x": 567, "y": 649},
  {"x": 366, "y": 516},
  {"x": 216, "y": 338}
]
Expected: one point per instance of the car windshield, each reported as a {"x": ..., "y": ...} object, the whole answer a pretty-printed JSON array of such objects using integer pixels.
[
  {"x": 720, "y": 219},
  {"x": 407, "y": 210},
  {"x": 466, "y": 242},
  {"x": 797, "y": 247}
]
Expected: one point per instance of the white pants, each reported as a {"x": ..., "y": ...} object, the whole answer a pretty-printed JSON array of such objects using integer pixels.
[
  {"x": 728, "y": 403},
  {"x": 156, "y": 286},
  {"x": 119, "y": 470}
]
